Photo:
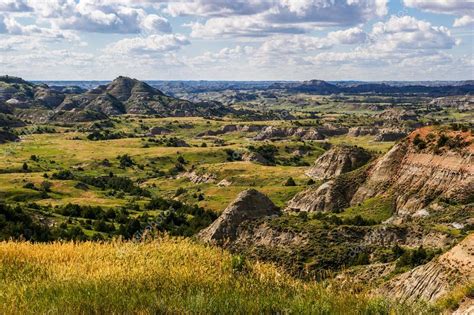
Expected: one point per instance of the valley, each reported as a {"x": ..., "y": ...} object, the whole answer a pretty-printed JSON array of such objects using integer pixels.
[{"x": 310, "y": 196}]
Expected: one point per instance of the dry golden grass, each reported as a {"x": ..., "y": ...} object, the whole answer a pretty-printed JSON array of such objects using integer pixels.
[{"x": 167, "y": 275}]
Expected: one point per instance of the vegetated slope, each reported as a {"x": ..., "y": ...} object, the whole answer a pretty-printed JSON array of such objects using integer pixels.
[
  {"x": 163, "y": 276},
  {"x": 6, "y": 136},
  {"x": 323, "y": 87},
  {"x": 437, "y": 278},
  {"x": 122, "y": 96}
]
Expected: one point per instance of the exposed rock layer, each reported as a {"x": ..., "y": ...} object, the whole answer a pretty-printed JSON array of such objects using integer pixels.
[
  {"x": 436, "y": 278},
  {"x": 338, "y": 160},
  {"x": 249, "y": 205}
]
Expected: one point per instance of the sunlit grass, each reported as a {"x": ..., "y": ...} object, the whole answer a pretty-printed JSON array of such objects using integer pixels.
[{"x": 162, "y": 276}]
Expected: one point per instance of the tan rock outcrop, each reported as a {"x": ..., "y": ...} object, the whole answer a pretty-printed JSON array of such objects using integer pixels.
[
  {"x": 417, "y": 178},
  {"x": 249, "y": 205},
  {"x": 436, "y": 278},
  {"x": 338, "y": 160}
]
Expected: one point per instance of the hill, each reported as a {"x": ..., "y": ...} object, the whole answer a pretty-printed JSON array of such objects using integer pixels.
[
  {"x": 122, "y": 96},
  {"x": 401, "y": 88}
]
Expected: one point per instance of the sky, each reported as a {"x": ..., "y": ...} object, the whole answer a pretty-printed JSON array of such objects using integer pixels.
[{"x": 368, "y": 40}]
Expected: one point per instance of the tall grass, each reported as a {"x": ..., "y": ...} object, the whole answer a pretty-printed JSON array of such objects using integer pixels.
[{"x": 168, "y": 275}]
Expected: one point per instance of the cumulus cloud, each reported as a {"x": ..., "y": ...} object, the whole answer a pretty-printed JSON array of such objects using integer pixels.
[
  {"x": 409, "y": 33},
  {"x": 294, "y": 44},
  {"x": 212, "y": 8},
  {"x": 241, "y": 26},
  {"x": 464, "y": 21},
  {"x": 102, "y": 16},
  {"x": 456, "y": 7},
  {"x": 353, "y": 35},
  {"x": 91, "y": 16},
  {"x": 400, "y": 40},
  {"x": 153, "y": 44},
  {"x": 20, "y": 43},
  {"x": 9, "y": 25},
  {"x": 462, "y": 8},
  {"x": 14, "y": 6},
  {"x": 263, "y": 17}
]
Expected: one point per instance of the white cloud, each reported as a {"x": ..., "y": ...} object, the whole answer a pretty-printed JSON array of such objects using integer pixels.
[
  {"x": 90, "y": 17},
  {"x": 464, "y": 21},
  {"x": 456, "y": 7},
  {"x": 462, "y": 8},
  {"x": 14, "y": 6},
  {"x": 212, "y": 8},
  {"x": 353, "y": 35},
  {"x": 20, "y": 43},
  {"x": 102, "y": 16},
  {"x": 264, "y": 18},
  {"x": 294, "y": 44},
  {"x": 8, "y": 25},
  {"x": 241, "y": 26},
  {"x": 156, "y": 23},
  {"x": 409, "y": 33},
  {"x": 152, "y": 44}
]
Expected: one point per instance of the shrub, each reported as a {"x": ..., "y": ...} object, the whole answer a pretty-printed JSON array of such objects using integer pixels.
[
  {"x": 290, "y": 182},
  {"x": 46, "y": 186},
  {"x": 63, "y": 175},
  {"x": 29, "y": 186},
  {"x": 181, "y": 160},
  {"x": 125, "y": 161},
  {"x": 239, "y": 264},
  {"x": 419, "y": 143},
  {"x": 179, "y": 191}
]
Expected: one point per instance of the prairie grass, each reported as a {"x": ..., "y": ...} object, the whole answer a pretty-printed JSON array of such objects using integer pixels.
[{"x": 167, "y": 275}]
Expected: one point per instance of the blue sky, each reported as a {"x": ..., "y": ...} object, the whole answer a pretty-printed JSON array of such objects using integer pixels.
[{"x": 237, "y": 39}]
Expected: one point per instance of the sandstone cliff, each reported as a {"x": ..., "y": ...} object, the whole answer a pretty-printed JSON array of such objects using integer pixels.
[
  {"x": 436, "y": 278},
  {"x": 417, "y": 176},
  {"x": 428, "y": 165}
]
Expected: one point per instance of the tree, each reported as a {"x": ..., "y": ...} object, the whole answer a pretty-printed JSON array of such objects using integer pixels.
[
  {"x": 46, "y": 186},
  {"x": 25, "y": 167},
  {"x": 290, "y": 182},
  {"x": 181, "y": 160},
  {"x": 125, "y": 161}
]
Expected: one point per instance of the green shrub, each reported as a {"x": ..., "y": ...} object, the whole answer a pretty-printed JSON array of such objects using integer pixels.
[{"x": 290, "y": 182}]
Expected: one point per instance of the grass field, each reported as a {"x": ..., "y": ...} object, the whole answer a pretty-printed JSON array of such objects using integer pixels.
[
  {"x": 70, "y": 150},
  {"x": 163, "y": 276}
]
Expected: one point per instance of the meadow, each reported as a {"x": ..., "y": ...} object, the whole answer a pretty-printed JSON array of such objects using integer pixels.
[{"x": 165, "y": 275}]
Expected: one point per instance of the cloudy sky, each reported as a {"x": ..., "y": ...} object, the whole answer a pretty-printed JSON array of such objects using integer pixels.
[{"x": 238, "y": 39}]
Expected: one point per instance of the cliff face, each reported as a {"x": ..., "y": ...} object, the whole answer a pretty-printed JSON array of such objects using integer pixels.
[
  {"x": 417, "y": 177},
  {"x": 426, "y": 166},
  {"x": 338, "y": 160},
  {"x": 332, "y": 196},
  {"x": 436, "y": 278}
]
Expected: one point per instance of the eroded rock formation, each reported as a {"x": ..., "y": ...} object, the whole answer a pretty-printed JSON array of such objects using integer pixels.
[
  {"x": 338, "y": 160},
  {"x": 249, "y": 205}
]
